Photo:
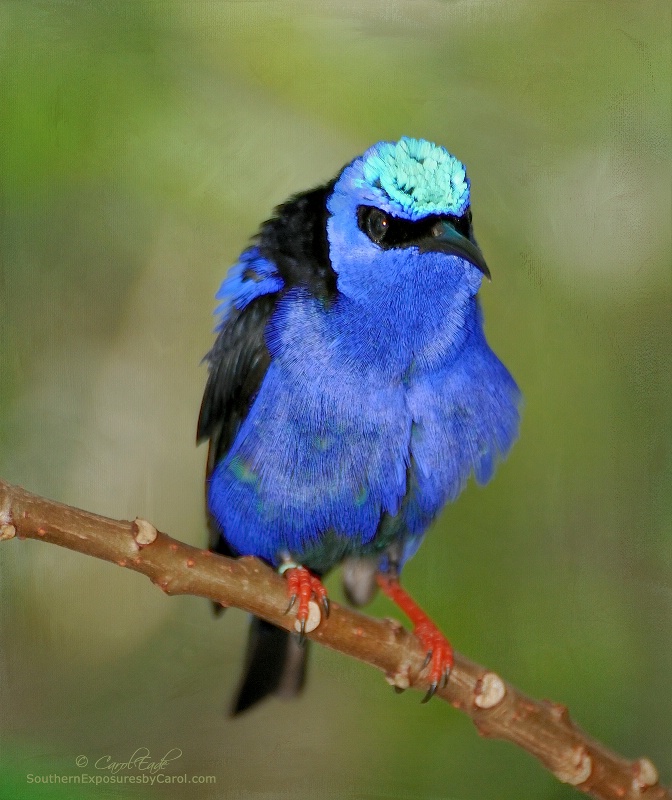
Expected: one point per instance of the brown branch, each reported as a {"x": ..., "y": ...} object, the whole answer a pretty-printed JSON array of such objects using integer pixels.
[{"x": 497, "y": 709}]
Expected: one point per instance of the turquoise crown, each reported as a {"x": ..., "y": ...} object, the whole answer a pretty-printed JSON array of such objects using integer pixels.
[{"x": 418, "y": 176}]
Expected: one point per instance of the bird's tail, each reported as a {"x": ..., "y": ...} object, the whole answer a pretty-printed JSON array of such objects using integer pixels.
[{"x": 275, "y": 663}]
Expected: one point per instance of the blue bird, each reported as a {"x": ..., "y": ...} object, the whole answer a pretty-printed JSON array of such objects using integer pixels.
[{"x": 351, "y": 392}]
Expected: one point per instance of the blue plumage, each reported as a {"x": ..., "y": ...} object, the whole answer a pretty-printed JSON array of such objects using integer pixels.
[{"x": 374, "y": 394}]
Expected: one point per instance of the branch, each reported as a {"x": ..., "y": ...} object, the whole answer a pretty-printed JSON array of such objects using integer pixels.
[{"x": 497, "y": 709}]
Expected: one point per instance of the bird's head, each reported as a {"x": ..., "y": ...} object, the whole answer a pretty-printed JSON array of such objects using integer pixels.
[{"x": 401, "y": 213}]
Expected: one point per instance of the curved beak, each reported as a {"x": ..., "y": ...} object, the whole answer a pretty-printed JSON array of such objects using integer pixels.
[{"x": 445, "y": 239}]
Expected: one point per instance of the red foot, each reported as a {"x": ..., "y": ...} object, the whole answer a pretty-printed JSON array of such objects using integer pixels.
[
  {"x": 303, "y": 586},
  {"x": 439, "y": 651}
]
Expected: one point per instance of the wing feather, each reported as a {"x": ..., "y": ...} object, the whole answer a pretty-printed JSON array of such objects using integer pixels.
[{"x": 238, "y": 363}]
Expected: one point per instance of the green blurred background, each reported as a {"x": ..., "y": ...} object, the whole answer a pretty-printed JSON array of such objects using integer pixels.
[{"x": 141, "y": 144}]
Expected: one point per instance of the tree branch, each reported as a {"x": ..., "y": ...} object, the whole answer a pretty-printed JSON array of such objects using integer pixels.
[{"x": 497, "y": 709}]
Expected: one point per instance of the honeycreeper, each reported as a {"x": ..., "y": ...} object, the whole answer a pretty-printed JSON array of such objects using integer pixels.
[{"x": 351, "y": 392}]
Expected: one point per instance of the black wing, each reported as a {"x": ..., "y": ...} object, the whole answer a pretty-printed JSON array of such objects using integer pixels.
[
  {"x": 295, "y": 240},
  {"x": 238, "y": 362}
]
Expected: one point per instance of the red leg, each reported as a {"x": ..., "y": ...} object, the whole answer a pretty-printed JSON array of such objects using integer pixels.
[
  {"x": 303, "y": 586},
  {"x": 439, "y": 650}
]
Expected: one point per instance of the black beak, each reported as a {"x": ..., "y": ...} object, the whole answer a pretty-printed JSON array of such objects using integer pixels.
[{"x": 445, "y": 239}]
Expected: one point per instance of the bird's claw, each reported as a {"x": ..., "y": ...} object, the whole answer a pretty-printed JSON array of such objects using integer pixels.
[
  {"x": 439, "y": 657},
  {"x": 438, "y": 651},
  {"x": 304, "y": 587},
  {"x": 292, "y": 600},
  {"x": 430, "y": 693}
]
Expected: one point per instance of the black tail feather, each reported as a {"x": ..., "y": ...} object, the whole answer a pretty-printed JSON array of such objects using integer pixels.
[{"x": 275, "y": 663}]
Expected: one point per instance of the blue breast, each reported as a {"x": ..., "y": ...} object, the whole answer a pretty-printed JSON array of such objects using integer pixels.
[{"x": 355, "y": 410}]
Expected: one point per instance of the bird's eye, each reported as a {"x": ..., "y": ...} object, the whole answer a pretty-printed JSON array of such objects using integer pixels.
[{"x": 376, "y": 224}]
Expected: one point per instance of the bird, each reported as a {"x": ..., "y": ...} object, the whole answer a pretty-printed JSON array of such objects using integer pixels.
[{"x": 351, "y": 393}]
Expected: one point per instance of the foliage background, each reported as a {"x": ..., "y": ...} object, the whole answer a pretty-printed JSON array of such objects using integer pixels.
[{"x": 142, "y": 143}]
